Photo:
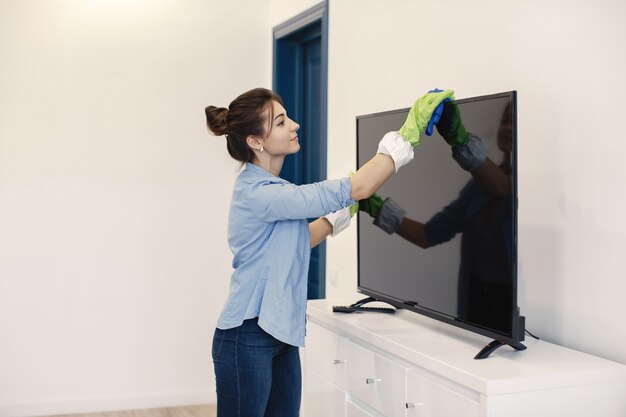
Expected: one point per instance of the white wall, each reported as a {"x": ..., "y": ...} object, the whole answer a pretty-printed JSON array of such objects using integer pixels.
[
  {"x": 113, "y": 196},
  {"x": 567, "y": 61}
]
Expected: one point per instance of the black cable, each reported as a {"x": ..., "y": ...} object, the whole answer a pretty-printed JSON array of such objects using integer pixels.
[{"x": 531, "y": 334}]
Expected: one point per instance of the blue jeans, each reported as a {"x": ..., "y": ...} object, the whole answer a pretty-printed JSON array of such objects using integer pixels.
[{"x": 256, "y": 375}]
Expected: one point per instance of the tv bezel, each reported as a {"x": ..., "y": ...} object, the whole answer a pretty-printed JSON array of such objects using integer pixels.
[{"x": 517, "y": 325}]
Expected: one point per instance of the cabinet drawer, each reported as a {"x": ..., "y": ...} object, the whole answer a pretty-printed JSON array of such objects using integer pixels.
[
  {"x": 377, "y": 381},
  {"x": 353, "y": 410},
  {"x": 326, "y": 354},
  {"x": 429, "y": 398},
  {"x": 322, "y": 398}
]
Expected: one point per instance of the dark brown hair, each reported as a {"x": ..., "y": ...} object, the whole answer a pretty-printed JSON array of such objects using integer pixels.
[{"x": 242, "y": 118}]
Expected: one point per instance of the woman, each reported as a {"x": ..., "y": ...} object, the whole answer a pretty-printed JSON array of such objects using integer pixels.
[{"x": 255, "y": 346}]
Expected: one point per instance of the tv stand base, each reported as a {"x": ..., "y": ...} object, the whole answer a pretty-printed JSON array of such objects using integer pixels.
[
  {"x": 359, "y": 308},
  {"x": 487, "y": 350}
]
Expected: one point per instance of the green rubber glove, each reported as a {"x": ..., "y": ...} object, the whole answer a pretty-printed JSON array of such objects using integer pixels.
[
  {"x": 372, "y": 205},
  {"x": 420, "y": 115},
  {"x": 451, "y": 127},
  {"x": 354, "y": 208}
]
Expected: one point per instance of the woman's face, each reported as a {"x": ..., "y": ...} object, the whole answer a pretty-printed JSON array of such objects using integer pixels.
[{"x": 283, "y": 139}]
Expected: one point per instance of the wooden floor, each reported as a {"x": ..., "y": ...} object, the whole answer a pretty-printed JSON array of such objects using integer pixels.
[{"x": 190, "y": 411}]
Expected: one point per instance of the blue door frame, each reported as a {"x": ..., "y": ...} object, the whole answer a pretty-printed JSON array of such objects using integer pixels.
[{"x": 300, "y": 78}]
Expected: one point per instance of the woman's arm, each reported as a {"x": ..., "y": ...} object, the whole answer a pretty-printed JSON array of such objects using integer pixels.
[
  {"x": 371, "y": 176},
  {"x": 396, "y": 148},
  {"x": 320, "y": 229},
  {"x": 390, "y": 217},
  {"x": 413, "y": 231},
  {"x": 492, "y": 179}
]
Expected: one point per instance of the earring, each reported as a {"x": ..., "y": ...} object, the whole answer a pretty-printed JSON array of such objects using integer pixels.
[{"x": 261, "y": 149}]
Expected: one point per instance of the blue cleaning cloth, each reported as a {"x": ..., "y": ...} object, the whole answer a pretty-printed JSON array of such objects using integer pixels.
[{"x": 436, "y": 114}]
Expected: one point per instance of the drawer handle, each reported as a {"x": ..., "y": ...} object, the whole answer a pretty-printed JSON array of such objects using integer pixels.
[
  {"x": 372, "y": 380},
  {"x": 412, "y": 405},
  {"x": 339, "y": 361}
]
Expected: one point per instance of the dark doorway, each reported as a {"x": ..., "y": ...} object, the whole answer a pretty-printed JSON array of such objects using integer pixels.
[{"x": 300, "y": 78}]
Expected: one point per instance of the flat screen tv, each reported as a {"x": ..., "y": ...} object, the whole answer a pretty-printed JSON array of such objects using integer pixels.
[{"x": 464, "y": 271}]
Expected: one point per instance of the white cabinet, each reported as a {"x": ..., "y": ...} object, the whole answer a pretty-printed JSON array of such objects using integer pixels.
[
  {"x": 428, "y": 398},
  {"x": 322, "y": 397},
  {"x": 376, "y": 381},
  {"x": 407, "y": 365},
  {"x": 353, "y": 410},
  {"x": 325, "y": 373},
  {"x": 329, "y": 357}
]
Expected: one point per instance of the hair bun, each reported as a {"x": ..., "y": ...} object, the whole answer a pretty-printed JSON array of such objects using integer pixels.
[{"x": 217, "y": 120}]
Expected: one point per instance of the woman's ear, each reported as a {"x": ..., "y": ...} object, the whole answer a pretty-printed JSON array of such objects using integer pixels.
[{"x": 255, "y": 143}]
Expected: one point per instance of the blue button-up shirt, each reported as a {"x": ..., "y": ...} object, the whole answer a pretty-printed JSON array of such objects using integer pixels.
[{"x": 269, "y": 236}]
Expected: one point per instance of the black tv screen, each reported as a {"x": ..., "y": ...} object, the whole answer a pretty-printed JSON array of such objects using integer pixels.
[{"x": 466, "y": 273}]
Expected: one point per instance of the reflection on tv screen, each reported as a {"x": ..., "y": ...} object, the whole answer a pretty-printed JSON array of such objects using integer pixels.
[{"x": 454, "y": 252}]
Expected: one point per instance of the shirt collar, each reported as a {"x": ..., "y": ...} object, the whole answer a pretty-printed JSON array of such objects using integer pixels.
[{"x": 257, "y": 171}]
